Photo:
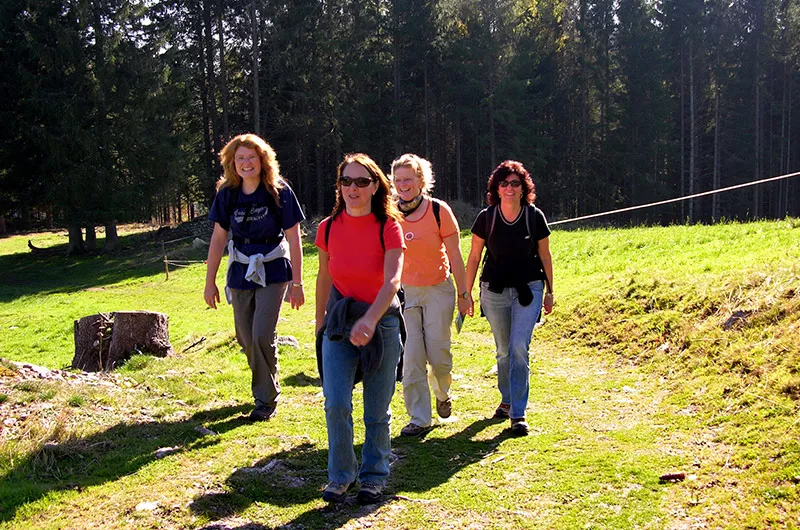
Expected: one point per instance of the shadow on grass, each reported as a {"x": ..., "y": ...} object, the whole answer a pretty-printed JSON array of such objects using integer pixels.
[
  {"x": 301, "y": 379},
  {"x": 106, "y": 456},
  {"x": 298, "y": 475},
  {"x": 28, "y": 273}
]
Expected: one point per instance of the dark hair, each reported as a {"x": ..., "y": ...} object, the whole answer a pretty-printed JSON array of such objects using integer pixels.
[
  {"x": 383, "y": 206},
  {"x": 502, "y": 172}
]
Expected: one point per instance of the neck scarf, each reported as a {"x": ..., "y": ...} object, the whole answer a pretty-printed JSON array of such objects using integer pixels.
[{"x": 409, "y": 207}]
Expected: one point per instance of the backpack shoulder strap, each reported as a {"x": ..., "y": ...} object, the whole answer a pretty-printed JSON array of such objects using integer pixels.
[
  {"x": 530, "y": 221},
  {"x": 328, "y": 230},
  {"x": 437, "y": 207},
  {"x": 491, "y": 223}
]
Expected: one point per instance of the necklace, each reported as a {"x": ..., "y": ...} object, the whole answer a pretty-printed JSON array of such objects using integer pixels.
[{"x": 409, "y": 207}]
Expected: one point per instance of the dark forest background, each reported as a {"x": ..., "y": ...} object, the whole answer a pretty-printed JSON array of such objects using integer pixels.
[{"x": 113, "y": 111}]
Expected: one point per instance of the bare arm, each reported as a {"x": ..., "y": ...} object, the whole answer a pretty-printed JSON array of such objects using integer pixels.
[
  {"x": 218, "y": 240},
  {"x": 364, "y": 328},
  {"x": 324, "y": 283},
  {"x": 547, "y": 263},
  {"x": 296, "y": 295},
  {"x": 473, "y": 262},
  {"x": 452, "y": 244}
]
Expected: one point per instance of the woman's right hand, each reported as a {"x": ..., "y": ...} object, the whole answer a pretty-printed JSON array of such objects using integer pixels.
[
  {"x": 211, "y": 295},
  {"x": 466, "y": 305}
]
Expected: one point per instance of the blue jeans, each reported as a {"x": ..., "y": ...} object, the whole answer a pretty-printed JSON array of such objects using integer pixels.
[
  {"x": 512, "y": 326},
  {"x": 339, "y": 362}
]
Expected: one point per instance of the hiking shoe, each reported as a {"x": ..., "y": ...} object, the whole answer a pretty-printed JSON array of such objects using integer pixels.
[
  {"x": 444, "y": 408},
  {"x": 519, "y": 427},
  {"x": 262, "y": 413},
  {"x": 369, "y": 493},
  {"x": 502, "y": 411},
  {"x": 412, "y": 429},
  {"x": 336, "y": 491}
]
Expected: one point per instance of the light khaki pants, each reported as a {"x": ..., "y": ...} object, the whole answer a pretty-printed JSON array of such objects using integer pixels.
[{"x": 427, "y": 358}]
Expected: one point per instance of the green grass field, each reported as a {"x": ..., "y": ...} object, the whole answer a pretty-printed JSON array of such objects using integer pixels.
[{"x": 640, "y": 371}]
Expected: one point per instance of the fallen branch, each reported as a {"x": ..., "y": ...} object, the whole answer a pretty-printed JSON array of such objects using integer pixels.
[{"x": 409, "y": 499}]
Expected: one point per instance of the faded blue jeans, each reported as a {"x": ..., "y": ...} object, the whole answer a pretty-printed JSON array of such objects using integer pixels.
[
  {"x": 512, "y": 326},
  {"x": 339, "y": 362}
]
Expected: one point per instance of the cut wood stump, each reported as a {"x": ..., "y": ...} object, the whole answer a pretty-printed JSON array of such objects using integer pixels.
[{"x": 107, "y": 340}]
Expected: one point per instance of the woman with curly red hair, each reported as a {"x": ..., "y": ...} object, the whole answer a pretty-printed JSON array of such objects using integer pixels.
[
  {"x": 264, "y": 257},
  {"x": 516, "y": 282}
]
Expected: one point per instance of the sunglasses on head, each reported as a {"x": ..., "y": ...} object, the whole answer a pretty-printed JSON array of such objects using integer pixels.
[
  {"x": 512, "y": 183},
  {"x": 361, "y": 182}
]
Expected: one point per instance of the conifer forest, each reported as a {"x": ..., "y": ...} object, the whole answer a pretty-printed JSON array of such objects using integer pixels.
[{"x": 114, "y": 110}]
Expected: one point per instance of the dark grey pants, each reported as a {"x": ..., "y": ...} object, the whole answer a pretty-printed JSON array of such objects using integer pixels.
[{"x": 255, "y": 315}]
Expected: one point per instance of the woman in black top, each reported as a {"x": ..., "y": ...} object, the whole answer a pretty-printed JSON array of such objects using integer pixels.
[{"x": 516, "y": 282}]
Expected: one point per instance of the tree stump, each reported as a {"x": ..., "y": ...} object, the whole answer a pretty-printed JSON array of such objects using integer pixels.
[
  {"x": 92, "y": 341},
  {"x": 105, "y": 341}
]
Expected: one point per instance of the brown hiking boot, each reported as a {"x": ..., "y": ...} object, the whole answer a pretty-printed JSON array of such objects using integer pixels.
[{"x": 444, "y": 408}]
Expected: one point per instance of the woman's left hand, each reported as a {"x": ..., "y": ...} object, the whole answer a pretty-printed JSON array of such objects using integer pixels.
[
  {"x": 362, "y": 332},
  {"x": 548, "y": 303},
  {"x": 297, "y": 296}
]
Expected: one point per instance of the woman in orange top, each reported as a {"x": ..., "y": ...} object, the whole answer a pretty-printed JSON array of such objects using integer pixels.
[{"x": 432, "y": 254}]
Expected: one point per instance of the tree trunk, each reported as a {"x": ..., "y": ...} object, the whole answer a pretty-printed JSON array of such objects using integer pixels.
[
  {"x": 320, "y": 178},
  {"x": 112, "y": 240},
  {"x": 254, "y": 51},
  {"x": 757, "y": 137},
  {"x": 459, "y": 187},
  {"x": 427, "y": 111},
  {"x": 75, "y": 245},
  {"x": 692, "y": 132},
  {"x": 223, "y": 83},
  {"x": 211, "y": 77},
  {"x": 716, "y": 177},
  {"x": 91, "y": 238},
  {"x": 683, "y": 139},
  {"x": 208, "y": 156}
]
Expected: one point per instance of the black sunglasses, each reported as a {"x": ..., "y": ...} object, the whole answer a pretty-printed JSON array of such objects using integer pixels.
[
  {"x": 512, "y": 183},
  {"x": 361, "y": 182}
]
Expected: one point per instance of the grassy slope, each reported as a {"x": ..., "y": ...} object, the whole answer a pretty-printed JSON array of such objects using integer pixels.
[{"x": 634, "y": 376}]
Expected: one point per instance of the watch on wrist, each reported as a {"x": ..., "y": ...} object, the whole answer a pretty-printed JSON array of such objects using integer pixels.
[{"x": 464, "y": 295}]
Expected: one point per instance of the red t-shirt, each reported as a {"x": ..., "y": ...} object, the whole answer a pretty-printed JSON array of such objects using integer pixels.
[{"x": 355, "y": 256}]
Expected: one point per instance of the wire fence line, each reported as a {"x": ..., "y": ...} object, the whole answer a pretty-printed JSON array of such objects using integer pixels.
[{"x": 676, "y": 199}]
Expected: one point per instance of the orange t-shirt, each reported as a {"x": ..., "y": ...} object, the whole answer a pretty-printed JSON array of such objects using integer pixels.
[
  {"x": 355, "y": 256},
  {"x": 425, "y": 260}
]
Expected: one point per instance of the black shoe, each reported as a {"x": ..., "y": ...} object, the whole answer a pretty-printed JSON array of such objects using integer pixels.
[
  {"x": 519, "y": 427},
  {"x": 262, "y": 413},
  {"x": 369, "y": 493}
]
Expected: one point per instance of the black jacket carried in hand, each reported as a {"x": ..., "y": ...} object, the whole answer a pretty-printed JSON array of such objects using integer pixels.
[{"x": 341, "y": 314}]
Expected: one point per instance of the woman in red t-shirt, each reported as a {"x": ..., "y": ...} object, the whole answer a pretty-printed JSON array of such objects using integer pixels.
[{"x": 358, "y": 314}]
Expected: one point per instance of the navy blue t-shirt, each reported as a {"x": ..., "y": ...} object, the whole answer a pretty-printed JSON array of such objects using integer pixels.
[{"x": 257, "y": 217}]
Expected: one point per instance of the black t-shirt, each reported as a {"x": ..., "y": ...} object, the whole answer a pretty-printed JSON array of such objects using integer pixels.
[{"x": 510, "y": 255}]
